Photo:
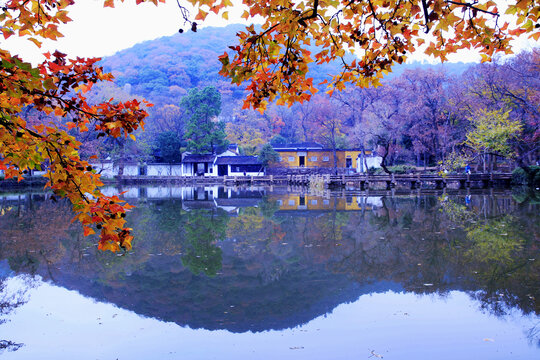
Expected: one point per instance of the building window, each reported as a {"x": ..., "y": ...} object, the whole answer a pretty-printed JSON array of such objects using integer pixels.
[
  {"x": 313, "y": 158},
  {"x": 291, "y": 158},
  {"x": 280, "y": 159},
  {"x": 291, "y": 202},
  {"x": 325, "y": 158},
  {"x": 313, "y": 202},
  {"x": 279, "y": 202},
  {"x": 326, "y": 202}
]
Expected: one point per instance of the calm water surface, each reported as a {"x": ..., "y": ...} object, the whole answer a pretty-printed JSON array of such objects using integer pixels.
[{"x": 257, "y": 273}]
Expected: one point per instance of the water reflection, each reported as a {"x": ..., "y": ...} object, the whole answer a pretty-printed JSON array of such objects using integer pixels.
[
  {"x": 256, "y": 259},
  {"x": 12, "y": 297},
  {"x": 204, "y": 229}
]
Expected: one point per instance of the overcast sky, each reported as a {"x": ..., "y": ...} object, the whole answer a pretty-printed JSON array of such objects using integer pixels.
[{"x": 97, "y": 31}]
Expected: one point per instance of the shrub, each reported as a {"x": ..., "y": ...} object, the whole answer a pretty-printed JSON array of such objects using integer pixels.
[
  {"x": 535, "y": 176},
  {"x": 520, "y": 176},
  {"x": 396, "y": 169},
  {"x": 526, "y": 176}
]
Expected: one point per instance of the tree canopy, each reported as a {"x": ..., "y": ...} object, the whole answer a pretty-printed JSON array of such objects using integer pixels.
[
  {"x": 58, "y": 86},
  {"x": 204, "y": 132},
  {"x": 275, "y": 59}
]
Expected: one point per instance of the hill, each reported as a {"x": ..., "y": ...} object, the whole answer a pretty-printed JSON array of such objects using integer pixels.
[{"x": 164, "y": 69}]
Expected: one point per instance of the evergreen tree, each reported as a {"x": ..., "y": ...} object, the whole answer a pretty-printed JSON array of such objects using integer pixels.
[
  {"x": 168, "y": 144},
  {"x": 268, "y": 155},
  {"x": 204, "y": 133}
]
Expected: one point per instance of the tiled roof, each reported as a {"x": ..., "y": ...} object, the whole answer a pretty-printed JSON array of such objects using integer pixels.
[
  {"x": 304, "y": 145},
  {"x": 237, "y": 160},
  {"x": 193, "y": 158}
]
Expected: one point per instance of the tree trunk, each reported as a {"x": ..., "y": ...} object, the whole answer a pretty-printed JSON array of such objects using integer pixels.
[
  {"x": 335, "y": 157},
  {"x": 383, "y": 161}
]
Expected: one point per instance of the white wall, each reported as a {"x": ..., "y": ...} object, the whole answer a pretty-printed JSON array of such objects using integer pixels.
[
  {"x": 241, "y": 173},
  {"x": 106, "y": 169},
  {"x": 164, "y": 170},
  {"x": 372, "y": 162}
]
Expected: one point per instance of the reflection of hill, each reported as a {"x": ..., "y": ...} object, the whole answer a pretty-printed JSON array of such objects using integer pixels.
[
  {"x": 278, "y": 269},
  {"x": 237, "y": 301}
]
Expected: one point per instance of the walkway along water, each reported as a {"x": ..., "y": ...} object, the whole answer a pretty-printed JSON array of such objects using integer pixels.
[
  {"x": 359, "y": 181},
  {"x": 362, "y": 181}
]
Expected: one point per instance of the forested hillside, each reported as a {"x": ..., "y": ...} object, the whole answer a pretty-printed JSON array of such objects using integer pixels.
[
  {"x": 163, "y": 70},
  {"x": 423, "y": 114}
]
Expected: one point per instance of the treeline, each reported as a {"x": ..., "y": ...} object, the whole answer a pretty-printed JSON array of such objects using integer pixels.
[{"x": 425, "y": 116}]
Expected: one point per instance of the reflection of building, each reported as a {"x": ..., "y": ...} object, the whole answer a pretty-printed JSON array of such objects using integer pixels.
[
  {"x": 289, "y": 202},
  {"x": 312, "y": 155}
]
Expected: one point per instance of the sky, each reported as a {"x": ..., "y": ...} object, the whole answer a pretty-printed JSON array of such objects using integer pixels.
[{"x": 97, "y": 31}]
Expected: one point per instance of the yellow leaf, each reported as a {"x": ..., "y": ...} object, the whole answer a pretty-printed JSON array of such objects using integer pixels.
[{"x": 35, "y": 41}]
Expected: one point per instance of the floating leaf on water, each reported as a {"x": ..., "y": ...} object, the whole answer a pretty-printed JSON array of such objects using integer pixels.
[
  {"x": 373, "y": 353},
  {"x": 488, "y": 339}
]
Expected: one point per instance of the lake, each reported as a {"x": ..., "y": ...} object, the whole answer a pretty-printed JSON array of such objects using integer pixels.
[{"x": 275, "y": 273}]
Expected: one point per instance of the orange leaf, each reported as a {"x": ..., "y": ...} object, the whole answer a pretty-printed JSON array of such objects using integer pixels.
[{"x": 88, "y": 231}]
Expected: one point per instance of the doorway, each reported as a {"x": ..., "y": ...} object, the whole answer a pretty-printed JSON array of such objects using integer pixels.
[{"x": 223, "y": 170}]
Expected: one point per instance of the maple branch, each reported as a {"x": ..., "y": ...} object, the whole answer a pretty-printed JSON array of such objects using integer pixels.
[
  {"x": 470, "y": 6},
  {"x": 426, "y": 15},
  {"x": 184, "y": 12},
  {"x": 313, "y": 15}
]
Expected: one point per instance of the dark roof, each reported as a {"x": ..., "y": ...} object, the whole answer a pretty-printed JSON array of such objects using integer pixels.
[
  {"x": 195, "y": 158},
  {"x": 304, "y": 145},
  {"x": 237, "y": 160},
  {"x": 241, "y": 202}
]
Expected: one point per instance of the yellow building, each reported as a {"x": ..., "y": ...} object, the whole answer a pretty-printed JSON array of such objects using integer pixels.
[
  {"x": 317, "y": 203},
  {"x": 313, "y": 155}
]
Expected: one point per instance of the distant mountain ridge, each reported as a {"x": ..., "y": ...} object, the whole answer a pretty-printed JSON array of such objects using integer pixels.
[{"x": 164, "y": 69}]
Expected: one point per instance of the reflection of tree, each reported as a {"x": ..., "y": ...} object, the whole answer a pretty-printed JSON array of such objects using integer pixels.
[
  {"x": 494, "y": 242},
  {"x": 10, "y": 299},
  {"x": 31, "y": 233},
  {"x": 203, "y": 229},
  {"x": 271, "y": 256},
  {"x": 533, "y": 334},
  {"x": 497, "y": 253},
  {"x": 496, "y": 248}
]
